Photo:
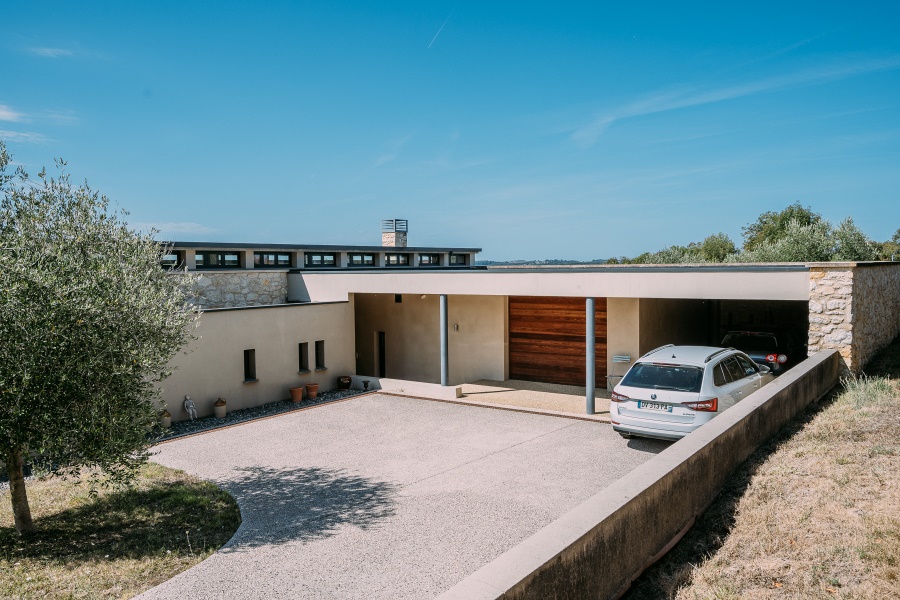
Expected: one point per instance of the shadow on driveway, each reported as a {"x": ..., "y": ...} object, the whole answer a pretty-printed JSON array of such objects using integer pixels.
[{"x": 304, "y": 504}]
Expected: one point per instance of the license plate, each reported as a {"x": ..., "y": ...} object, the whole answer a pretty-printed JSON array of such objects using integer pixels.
[{"x": 654, "y": 406}]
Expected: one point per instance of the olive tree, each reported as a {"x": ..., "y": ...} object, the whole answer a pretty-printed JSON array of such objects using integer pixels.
[{"x": 88, "y": 321}]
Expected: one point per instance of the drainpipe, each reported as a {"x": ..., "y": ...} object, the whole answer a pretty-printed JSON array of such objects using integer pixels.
[
  {"x": 445, "y": 354},
  {"x": 590, "y": 366}
]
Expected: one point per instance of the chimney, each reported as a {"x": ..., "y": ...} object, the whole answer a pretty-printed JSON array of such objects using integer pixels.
[{"x": 393, "y": 232}]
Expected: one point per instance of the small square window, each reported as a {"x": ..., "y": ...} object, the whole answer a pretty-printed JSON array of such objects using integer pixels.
[{"x": 398, "y": 298}]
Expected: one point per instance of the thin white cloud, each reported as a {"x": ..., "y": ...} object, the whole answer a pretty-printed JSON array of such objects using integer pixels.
[
  {"x": 8, "y": 114},
  {"x": 50, "y": 52},
  {"x": 673, "y": 99},
  {"x": 392, "y": 150},
  {"x": 440, "y": 29},
  {"x": 166, "y": 227},
  {"x": 58, "y": 117},
  {"x": 22, "y": 136}
]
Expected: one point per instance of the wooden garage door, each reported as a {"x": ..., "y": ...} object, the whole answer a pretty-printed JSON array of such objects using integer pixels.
[{"x": 546, "y": 339}]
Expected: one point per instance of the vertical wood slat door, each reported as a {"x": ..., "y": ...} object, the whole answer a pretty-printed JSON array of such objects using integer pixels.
[{"x": 547, "y": 339}]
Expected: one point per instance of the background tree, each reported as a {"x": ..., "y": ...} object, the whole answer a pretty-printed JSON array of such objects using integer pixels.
[
  {"x": 852, "y": 244},
  {"x": 89, "y": 320},
  {"x": 770, "y": 227},
  {"x": 716, "y": 248}
]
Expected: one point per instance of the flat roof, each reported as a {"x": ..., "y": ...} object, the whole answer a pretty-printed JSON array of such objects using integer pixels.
[{"x": 324, "y": 247}]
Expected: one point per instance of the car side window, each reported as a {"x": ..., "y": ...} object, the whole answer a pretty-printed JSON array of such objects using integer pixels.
[
  {"x": 720, "y": 377},
  {"x": 734, "y": 368},
  {"x": 748, "y": 366}
]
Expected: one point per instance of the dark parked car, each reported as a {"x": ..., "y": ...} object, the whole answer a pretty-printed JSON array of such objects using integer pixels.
[{"x": 777, "y": 350}]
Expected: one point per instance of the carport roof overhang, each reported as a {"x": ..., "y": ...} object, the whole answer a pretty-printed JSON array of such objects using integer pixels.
[{"x": 725, "y": 282}]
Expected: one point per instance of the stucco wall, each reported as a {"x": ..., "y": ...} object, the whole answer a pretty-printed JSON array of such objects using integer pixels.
[
  {"x": 622, "y": 334},
  {"x": 226, "y": 289},
  {"x": 214, "y": 364},
  {"x": 412, "y": 336},
  {"x": 854, "y": 309}
]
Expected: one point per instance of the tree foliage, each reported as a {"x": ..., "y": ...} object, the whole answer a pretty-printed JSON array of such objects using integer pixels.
[
  {"x": 770, "y": 227},
  {"x": 89, "y": 320}
]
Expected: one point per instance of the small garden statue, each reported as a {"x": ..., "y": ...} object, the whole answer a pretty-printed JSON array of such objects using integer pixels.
[{"x": 189, "y": 407}]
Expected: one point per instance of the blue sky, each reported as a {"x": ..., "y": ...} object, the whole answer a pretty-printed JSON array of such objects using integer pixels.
[{"x": 531, "y": 130}]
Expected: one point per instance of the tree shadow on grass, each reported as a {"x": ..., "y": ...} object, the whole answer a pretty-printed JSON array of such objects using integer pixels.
[
  {"x": 304, "y": 504},
  {"x": 172, "y": 518}
]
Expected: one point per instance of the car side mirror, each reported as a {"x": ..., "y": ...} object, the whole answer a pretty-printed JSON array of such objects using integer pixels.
[{"x": 764, "y": 369}]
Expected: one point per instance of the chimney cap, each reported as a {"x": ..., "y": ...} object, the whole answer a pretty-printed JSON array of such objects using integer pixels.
[{"x": 394, "y": 225}]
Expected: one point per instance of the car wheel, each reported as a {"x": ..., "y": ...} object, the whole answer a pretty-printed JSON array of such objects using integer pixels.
[{"x": 627, "y": 436}]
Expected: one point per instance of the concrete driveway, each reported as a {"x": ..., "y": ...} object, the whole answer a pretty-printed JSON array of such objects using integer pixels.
[{"x": 388, "y": 497}]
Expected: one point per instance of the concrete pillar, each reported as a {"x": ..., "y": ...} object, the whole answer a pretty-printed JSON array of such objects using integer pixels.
[
  {"x": 590, "y": 360},
  {"x": 247, "y": 259},
  {"x": 445, "y": 346},
  {"x": 190, "y": 259}
]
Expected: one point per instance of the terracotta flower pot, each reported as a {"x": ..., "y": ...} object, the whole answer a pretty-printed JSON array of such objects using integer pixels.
[
  {"x": 312, "y": 390},
  {"x": 219, "y": 408},
  {"x": 297, "y": 394}
]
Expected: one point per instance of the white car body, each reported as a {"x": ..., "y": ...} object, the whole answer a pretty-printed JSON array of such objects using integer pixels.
[{"x": 671, "y": 391}]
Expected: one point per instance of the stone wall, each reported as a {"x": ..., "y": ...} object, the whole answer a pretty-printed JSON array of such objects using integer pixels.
[
  {"x": 854, "y": 308},
  {"x": 230, "y": 289}
]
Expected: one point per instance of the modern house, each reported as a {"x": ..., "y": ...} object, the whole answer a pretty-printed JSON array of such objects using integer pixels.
[{"x": 278, "y": 316}]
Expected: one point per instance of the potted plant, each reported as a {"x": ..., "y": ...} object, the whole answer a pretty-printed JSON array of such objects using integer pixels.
[
  {"x": 219, "y": 407},
  {"x": 312, "y": 390},
  {"x": 165, "y": 419},
  {"x": 344, "y": 382},
  {"x": 296, "y": 394}
]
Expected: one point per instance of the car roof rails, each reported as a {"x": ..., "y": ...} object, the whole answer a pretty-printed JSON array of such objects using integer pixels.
[
  {"x": 717, "y": 352},
  {"x": 658, "y": 349}
]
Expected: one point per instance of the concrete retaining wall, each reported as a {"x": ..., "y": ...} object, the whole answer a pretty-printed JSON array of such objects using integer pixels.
[{"x": 598, "y": 548}]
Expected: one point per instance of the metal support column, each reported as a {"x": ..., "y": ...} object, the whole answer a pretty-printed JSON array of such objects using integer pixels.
[
  {"x": 445, "y": 353},
  {"x": 590, "y": 366}
]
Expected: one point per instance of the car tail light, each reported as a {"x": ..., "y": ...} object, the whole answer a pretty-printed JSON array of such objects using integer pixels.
[
  {"x": 770, "y": 358},
  {"x": 711, "y": 405},
  {"x": 618, "y": 397},
  {"x": 782, "y": 359}
]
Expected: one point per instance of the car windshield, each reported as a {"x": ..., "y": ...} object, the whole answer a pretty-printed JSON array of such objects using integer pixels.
[
  {"x": 751, "y": 342},
  {"x": 658, "y": 376}
]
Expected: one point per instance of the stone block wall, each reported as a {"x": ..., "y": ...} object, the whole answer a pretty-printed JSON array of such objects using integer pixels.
[
  {"x": 854, "y": 308},
  {"x": 240, "y": 288}
]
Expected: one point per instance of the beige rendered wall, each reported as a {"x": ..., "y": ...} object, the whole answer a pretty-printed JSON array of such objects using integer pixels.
[
  {"x": 622, "y": 333},
  {"x": 214, "y": 364},
  {"x": 412, "y": 336}
]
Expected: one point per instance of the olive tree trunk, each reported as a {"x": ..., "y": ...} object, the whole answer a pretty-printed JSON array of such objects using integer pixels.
[{"x": 21, "y": 510}]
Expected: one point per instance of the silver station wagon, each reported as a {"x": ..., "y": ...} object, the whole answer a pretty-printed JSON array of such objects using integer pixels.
[{"x": 671, "y": 391}]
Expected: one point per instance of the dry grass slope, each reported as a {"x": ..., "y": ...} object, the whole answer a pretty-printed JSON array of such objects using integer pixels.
[{"x": 815, "y": 514}]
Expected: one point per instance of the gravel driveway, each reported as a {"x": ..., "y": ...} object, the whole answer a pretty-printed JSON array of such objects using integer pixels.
[{"x": 388, "y": 497}]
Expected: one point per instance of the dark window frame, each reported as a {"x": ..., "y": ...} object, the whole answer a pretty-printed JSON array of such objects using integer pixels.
[
  {"x": 402, "y": 259},
  {"x": 281, "y": 259},
  {"x": 352, "y": 256},
  {"x": 426, "y": 258},
  {"x": 320, "y": 355},
  {"x": 201, "y": 259},
  {"x": 324, "y": 256},
  {"x": 250, "y": 365},
  {"x": 303, "y": 357},
  {"x": 459, "y": 259}
]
